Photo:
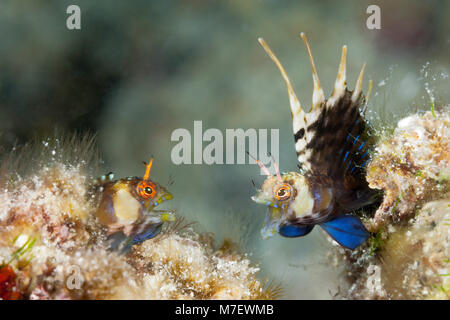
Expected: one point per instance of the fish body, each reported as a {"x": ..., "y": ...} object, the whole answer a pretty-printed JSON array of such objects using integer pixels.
[
  {"x": 333, "y": 145},
  {"x": 127, "y": 206}
]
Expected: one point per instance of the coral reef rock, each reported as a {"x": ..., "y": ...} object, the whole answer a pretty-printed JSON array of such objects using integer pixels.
[
  {"x": 408, "y": 255},
  {"x": 52, "y": 247},
  {"x": 411, "y": 167}
]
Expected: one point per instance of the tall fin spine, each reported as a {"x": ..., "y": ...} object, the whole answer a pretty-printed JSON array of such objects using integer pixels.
[
  {"x": 318, "y": 96},
  {"x": 340, "y": 85},
  {"x": 357, "y": 92},
  {"x": 296, "y": 109},
  {"x": 369, "y": 93}
]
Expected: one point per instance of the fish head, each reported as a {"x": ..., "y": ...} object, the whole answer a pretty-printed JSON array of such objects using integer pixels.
[
  {"x": 128, "y": 204},
  {"x": 287, "y": 197}
]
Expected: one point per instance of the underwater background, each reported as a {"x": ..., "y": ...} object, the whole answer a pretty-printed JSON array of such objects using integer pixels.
[{"x": 138, "y": 70}]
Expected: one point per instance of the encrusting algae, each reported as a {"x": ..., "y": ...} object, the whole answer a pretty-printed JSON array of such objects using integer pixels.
[
  {"x": 408, "y": 256},
  {"x": 53, "y": 247},
  {"x": 411, "y": 167}
]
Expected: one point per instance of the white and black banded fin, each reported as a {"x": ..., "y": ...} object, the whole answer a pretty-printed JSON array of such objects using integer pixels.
[
  {"x": 357, "y": 91},
  {"x": 339, "y": 143},
  {"x": 333, "y": 143},
  {"x": 340, "y": 85},
  {"x": 331, "y": 139},
  {"x": 298, "y": 115},
  {"x": 318, "y": 98}
]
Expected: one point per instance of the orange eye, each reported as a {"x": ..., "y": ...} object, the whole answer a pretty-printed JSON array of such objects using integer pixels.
[
  {"x": 146, "y": 189},
  {"x": 283, "y": 192}
]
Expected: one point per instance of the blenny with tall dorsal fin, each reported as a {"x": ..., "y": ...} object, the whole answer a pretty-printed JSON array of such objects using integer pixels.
[
  {"x": 332, "y": 144},
  {"x": 127, "y": 208}
]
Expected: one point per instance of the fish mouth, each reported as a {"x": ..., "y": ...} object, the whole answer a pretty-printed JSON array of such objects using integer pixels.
[
  {"x": 258, "y": 200},
  {"x": 272, "y": 222},
  {"x": 158, "y": 200},
  {"x": 274, "y": 217},
  {"x": 160, "y": 215}
]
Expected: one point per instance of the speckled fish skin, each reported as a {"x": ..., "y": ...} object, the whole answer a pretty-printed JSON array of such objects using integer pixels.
[{"x": 333, "y": 146}]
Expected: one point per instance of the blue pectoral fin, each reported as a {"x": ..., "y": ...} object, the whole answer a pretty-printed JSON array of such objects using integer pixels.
[
  {"x": 347, "y": 230},
  {"x": 150, "y": 232},
  {"x": 116, "y": 241},
  {"x": 119, "y": 242},
  {"x": 292, "y": 230}
]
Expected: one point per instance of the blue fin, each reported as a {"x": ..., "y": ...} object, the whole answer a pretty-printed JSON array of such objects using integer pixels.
[
  {"x": 151, "y": 231},
  {"x": 292, "y": 230},
  {"x": 121, "y": 243},
  {"x": 347, "y": 230}
]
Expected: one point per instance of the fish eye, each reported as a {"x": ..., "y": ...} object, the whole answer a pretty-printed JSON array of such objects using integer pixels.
[
  {"x": 146, "y": 189},
  {"x": 283, "y": 192}
]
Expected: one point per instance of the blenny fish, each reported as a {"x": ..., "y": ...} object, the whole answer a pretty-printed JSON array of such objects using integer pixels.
[
  {"x": 333, "y": 145},
  {"x": 127, "y": 207}
]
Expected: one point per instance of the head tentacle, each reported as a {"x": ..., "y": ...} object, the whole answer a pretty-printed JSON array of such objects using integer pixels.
[
  {"x": 277, "y": 168},
  {"x": 147, "y": 169},
  {"x": 261, "y": 165}
]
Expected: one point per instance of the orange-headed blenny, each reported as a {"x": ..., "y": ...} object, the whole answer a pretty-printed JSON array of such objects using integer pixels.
[{"x": 127, "y": 206}]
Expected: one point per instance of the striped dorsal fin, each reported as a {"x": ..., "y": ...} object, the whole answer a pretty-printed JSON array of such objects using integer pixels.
[{"x": 331, "y": 139}]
